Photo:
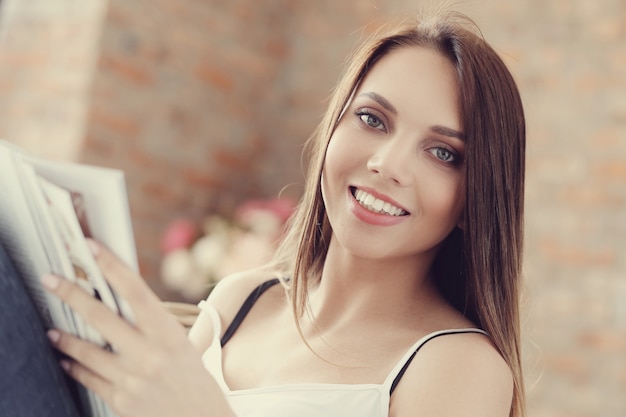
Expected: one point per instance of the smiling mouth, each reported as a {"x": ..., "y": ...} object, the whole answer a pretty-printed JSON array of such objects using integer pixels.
[{"x": 376, "y": 205}]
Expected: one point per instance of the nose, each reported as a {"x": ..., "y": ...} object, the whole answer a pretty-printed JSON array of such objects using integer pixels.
[{"x": 390, "y": 160}]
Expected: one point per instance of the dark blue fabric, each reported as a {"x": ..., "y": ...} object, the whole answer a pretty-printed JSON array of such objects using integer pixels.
[
  {"x": 245, "y": 308},
  {"x": 32, "y": 383}
]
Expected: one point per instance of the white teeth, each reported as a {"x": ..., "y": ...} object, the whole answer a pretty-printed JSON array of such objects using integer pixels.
[{"x": 377, "y": 205}]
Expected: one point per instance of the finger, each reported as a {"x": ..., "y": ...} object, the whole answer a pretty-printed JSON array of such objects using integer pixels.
[
  {"x": 100, "y": 361},
  {"x": 92, "y": 381},
  {"x": 117, "y": 331},
  {"x": 126, "y": 283},
  {"x": 149, "y": 315}
]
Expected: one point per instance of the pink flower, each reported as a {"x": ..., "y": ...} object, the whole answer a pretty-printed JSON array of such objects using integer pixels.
[
  {"x": 280, "y": 207},
  {"x": 264, "y": 216},
  {"x": 179, "y": 234},
  {"x": 196, "y": 257}
]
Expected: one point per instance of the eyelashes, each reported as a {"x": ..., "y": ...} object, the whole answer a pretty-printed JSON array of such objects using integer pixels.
[
  {"x": 371, "y": 120},
  {"x": 443, "y": 154}
]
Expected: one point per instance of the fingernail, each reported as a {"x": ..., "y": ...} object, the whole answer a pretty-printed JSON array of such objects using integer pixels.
[
  {"x": 54, "y": 335},
  {"x": 93, "y": 246},
  {"x": 65, "y": 364},
  {"x": 50, "y": 281}
]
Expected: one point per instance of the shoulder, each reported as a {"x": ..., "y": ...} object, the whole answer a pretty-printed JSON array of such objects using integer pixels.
[
  {"x": 227, "y": 298},
  {"x": 455, "y": 374},
  {"x": 231, "y": 292}
]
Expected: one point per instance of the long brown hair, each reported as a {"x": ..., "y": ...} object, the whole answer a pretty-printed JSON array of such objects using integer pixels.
[{"x": 477, "y": 268}]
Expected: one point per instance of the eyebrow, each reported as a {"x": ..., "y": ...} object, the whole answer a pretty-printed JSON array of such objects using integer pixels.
[
  {"x": 380, "y": 100},
  {"x": 446, "y": 131},
  {"x": 440, "y": 130}
]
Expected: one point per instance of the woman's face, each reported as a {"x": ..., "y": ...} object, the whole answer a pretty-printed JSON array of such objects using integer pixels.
[{"x": 393, "y": 176}]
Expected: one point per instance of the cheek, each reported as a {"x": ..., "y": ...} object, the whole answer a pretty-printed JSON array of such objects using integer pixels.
[
  {"x": 338, "y": 158},
  {"x": 345, "y": 141},
  {"x": 447, "y": 197},
  {"x": 339, "y": 165},
  {"x": 334, "y": 152}
]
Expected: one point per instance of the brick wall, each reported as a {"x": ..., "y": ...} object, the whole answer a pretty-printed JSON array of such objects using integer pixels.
[
  {"x": 205, "y": 103},
  {"x": 570, "y": 60},
  {"x": 48, "y": 50}
]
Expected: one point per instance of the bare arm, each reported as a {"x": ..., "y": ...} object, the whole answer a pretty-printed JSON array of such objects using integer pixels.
[{"x": 452, "y": 376}]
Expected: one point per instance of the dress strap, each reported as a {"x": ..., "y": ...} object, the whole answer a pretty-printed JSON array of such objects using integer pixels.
[
  {"x": 245, "y": 308},
  {"x": 408, "y": 358}
]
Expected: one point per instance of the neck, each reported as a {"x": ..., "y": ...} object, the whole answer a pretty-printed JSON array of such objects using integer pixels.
[{"x": 352, "y": 289}]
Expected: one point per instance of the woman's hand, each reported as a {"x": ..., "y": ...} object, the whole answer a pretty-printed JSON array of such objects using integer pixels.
[{"x": 154, "y": 370}]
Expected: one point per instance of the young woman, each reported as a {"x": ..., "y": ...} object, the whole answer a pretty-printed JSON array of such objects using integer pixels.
[{"x": 397, "y": 285}]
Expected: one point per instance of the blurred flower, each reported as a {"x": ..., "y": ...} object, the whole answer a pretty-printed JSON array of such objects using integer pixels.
[
  {"x": 179, "y": 272},
  {"x": 209, "y": 251},
  {"x": 180, "y": 234},
  {"x": 196, "y": 258}
]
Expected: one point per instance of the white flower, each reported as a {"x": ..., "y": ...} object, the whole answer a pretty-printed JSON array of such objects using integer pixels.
[
  {"x": 179, "y": 272},
  {"x": 207, "y": 253},
  {"x": 246, "y": 241},
  {"x": 262, "y": 222},
  {"x": 247, "y": 250},
  {"x": 177, "y": 267}
]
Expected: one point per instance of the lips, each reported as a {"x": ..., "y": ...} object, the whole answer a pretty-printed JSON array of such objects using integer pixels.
[{"x": 376, "y": 205}]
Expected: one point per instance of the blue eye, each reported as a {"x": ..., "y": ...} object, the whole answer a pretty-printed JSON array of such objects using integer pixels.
[
  {"x": 371, "y": 120},
  {"x": 443, "y": 154}
]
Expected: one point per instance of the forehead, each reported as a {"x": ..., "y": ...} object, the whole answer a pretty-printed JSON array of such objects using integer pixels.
[{"x": 416, "y": 80}]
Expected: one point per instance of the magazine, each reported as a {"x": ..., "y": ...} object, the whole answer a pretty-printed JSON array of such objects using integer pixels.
[{"x": 47, "y": 210}]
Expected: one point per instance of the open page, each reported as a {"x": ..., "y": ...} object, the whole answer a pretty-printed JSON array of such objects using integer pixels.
[
  {"x": 29, "y": 245},
  {"x": 85, "y": 271},
  {"x": 104, "y": 200},
  {"x": 46, "y": 210}
]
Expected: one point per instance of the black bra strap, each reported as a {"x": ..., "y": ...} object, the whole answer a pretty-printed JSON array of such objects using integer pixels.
[
  {"x": 245, "y": 308},
  {"x": 433, "y": 336}
]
